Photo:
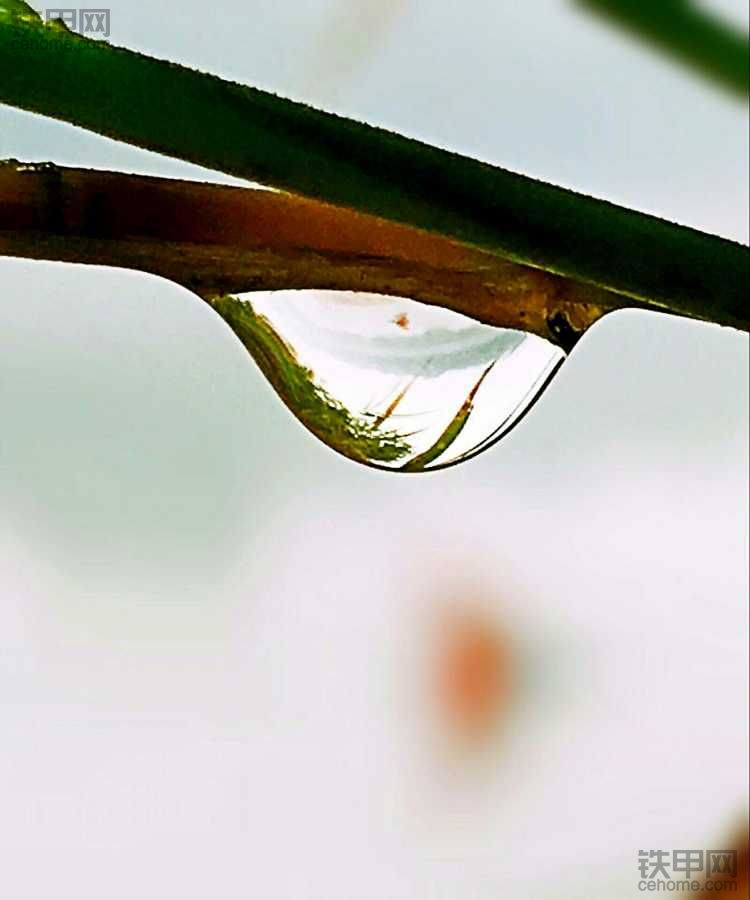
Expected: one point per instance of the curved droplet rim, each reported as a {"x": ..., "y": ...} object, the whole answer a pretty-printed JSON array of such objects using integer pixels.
[{"x": 504, "y": 429}]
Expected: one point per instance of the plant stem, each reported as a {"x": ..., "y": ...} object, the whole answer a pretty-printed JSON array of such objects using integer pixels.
[
  {"x": 218, "y": 240},
  {"x": 691, "y": 34},
  {"x": 249, "y": 133}
]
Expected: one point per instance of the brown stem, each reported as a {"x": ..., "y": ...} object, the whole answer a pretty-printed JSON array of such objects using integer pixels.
[{"x": 215, "y": 240}]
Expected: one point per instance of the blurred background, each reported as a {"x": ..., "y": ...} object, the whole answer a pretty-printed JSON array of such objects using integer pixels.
[{"x": 234, "y": 664}]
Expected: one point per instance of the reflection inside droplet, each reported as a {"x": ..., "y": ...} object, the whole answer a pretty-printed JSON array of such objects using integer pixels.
[{"x": 390, "y": 382}]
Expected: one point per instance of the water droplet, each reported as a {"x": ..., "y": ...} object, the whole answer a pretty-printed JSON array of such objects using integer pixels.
[{"x": 390, "y": 382}]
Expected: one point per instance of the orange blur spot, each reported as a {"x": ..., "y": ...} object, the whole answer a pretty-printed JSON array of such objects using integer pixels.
[
  {"x": 402, "y": 320},
  {"x": 473, "y": 674}
]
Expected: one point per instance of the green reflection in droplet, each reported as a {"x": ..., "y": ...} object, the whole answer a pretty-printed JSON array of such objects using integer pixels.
[{"x": 326, "y": 418}]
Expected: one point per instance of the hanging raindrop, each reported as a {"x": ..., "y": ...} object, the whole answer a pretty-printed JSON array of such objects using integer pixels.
[{"x": 391, "y": 382}]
